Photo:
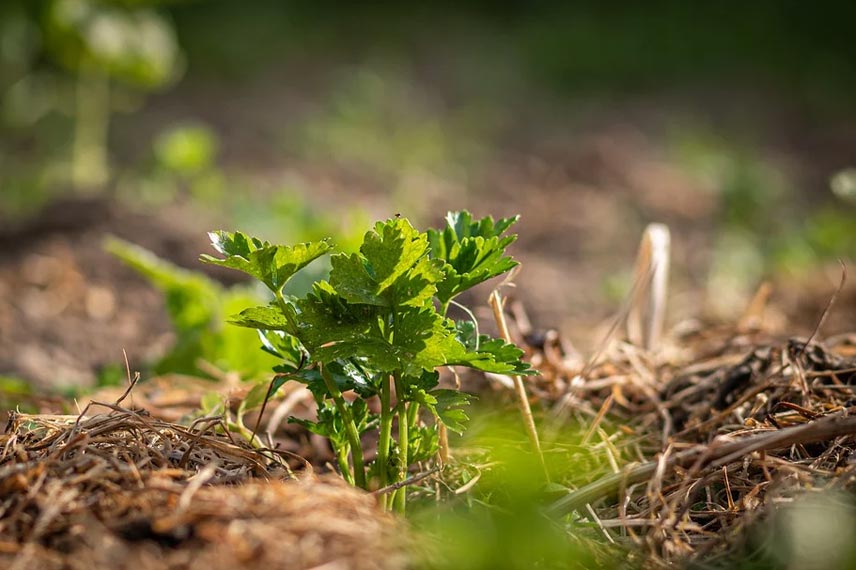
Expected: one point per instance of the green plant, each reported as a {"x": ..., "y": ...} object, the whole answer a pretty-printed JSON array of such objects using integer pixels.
[
  {"x": 196, "y": 306},
  {"x": 378, "y": 329}
]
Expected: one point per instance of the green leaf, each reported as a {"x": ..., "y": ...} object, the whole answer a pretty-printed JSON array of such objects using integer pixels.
[
  {"x": 330, "y": 327},
  {"x": 328, "y": 423},
  {"x": 191, "y": 298},
  {"x": 427, "y": 340},
  {"x": 265, "y": 317},
  {"x": 424, "y": 443},
  {"x": 448, "y": 408},
  {"x": 273, "y": 265},
  {"x": 345, "y": 374},
  {"x": 473, "y": 251},
  {"x": 392, "y": 268},
  {"x": 256, "y": 396},
  {"x": 331, "y": 425},
  {"x": 363, "y": 418},
  {"x": 414, "y": 341},
  {"x": 497, "y": 356},
  {"x": 283, "y": 346},
  {"x": 464, "y": 226},
  {"x": 196, "y": 306},
  {"x": 467, "y": 334}
]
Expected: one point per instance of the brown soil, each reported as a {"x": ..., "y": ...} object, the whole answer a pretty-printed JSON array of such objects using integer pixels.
[{"x": 68, "y": 308}]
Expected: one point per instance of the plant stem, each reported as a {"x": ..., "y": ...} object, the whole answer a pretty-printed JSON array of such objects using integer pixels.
[
  {"x": 342, "y": 458},
  {"x": 444, "y": 308},
  {"x": 403, "y": 445},
  {"x": 350, "y": 428},
  {"x": 386, "y": 414},
  {"x": 413, "y": 414}
]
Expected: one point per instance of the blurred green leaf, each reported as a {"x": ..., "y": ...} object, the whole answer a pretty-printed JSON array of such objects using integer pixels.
[
  {"x": 186, "y": 150},
  {"x": 197, "y": 306},
  {"x": 132, "y": 43},
  {"x": 449, "y": 408}
]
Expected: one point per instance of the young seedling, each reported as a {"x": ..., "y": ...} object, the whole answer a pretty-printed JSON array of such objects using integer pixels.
[{"x": 378, "y": 328}]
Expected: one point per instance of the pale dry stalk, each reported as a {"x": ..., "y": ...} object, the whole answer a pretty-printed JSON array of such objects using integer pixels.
[{"x": 519, "y": 387}]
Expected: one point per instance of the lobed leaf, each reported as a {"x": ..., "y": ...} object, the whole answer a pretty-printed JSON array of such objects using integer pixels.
[
  {"x": 273, "y": 265},
  {"x": 392, "y": 268},
  {"x": 265, "y": 318},
  {"x": 448, "y": 408},
  {"x": 345, "y": 374},
  {"x": 497, "y": 356},
  {"x": 472, "y": 251}
]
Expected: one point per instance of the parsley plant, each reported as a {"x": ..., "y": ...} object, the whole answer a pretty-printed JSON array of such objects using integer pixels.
[{"x": 378, "y": 328}]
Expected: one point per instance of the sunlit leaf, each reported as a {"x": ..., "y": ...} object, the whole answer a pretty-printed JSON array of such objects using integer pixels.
[
  {"x": 472, "y": 251},
  {"x": 273, "y": 265}
]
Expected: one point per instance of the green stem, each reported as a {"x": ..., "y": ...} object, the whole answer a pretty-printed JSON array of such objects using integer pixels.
[
  {"x": 413, "y": 414},
  {"x": 342, "y": 458},
  {"x": 386, "y": 414},
  {"x": 350, "y": 428},
  {"x": 444, "y": 308},
  {"x": 403, "y": 446}
]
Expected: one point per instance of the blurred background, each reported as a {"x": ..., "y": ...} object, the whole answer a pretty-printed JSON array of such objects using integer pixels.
[{"x": 732, "y": 122}]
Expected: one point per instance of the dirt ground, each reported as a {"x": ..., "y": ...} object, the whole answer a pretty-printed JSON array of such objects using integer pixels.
[{"x": 68, "y": 307}]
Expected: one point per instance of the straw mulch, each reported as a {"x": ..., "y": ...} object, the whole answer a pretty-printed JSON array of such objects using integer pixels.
[
  {"x": 124, "y": 490},
  {"x": 694, "y": 445}
]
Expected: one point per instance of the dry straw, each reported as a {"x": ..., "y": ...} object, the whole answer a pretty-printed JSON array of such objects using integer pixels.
[{"x": 125, "y": 490}]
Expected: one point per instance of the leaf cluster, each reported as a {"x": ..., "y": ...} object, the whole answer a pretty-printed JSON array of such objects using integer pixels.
[{"x": 380, "y": 315}]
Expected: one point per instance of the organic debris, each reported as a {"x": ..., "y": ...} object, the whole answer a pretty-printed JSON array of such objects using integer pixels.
[
  {"x": 125, "y": 490},
  {"x": 712, "y": 436}
]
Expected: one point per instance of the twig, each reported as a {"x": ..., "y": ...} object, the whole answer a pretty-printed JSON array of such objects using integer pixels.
[
  {"x": 406, "y": 482},
  {"x": 826, "y": 310},
  {"x": 131, "y": 381}
]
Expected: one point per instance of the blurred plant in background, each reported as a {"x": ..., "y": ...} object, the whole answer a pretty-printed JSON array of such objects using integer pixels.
[
  {"x": 68, "y": 65},
  {"x": 378, "y": 122},
  {"x": 198, "y": 307},
  {"x": 765, "y": 226},
  {"x": 366, "y": 100},
  {"x": 184, "y": 165}
]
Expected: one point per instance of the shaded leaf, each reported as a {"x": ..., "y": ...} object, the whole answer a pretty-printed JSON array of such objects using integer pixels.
[
  {"x": 424, "y": 443},
  {"x": 256, "y": 396},
  {"x": 264, "y": 317},
  {"x": 346, "y": 375},
  {"x": 467, "y": 335},
  {"x": 448, "y": 408},
  {"x": 282, "y": 345}
]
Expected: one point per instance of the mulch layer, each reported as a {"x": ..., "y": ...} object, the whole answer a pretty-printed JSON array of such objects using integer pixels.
[{"x": 122, "y": 489}]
